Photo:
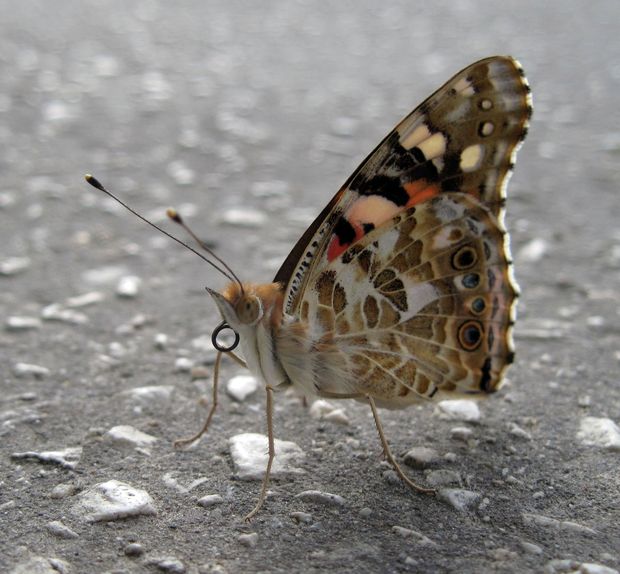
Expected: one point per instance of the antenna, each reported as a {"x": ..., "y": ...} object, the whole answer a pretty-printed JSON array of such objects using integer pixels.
[{"x": 227, "y": 271}]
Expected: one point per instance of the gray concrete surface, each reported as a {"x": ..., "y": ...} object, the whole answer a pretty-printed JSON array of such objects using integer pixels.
[{"x": 267, "y": 107}]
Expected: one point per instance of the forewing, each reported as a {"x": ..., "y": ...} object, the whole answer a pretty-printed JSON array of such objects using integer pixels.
[{"x": 463, "y": 139}]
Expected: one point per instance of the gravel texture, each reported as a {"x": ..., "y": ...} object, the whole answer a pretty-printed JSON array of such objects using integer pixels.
[{"x": 247, "y": 117}]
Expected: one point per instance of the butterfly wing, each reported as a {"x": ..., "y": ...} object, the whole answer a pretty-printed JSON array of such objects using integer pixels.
[
  {"x": 463, "y": 138},
  {"x": 402, "y": 286}
]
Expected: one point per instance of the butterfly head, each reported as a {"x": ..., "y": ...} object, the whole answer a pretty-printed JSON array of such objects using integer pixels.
[{"x": 245, "y": 306}]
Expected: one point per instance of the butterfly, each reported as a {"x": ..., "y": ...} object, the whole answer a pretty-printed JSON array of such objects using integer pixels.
[{"x": 401, "y": 290}]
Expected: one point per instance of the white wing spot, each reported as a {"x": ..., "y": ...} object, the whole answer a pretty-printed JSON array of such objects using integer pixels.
[
  {"x": 464, "y": 87},
  {"x": 471, "y": 157},
  {"x": 433, "y": 147},
  {"x": 486, "y": 104},
  {"x": 487, "y": 128},
  {"x": 419, "y": 134}
]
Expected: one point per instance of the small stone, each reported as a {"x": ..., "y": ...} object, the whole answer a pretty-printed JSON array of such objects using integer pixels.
[
  {"x": 459, "y": 409},
  {"x": 241, "y": 387},
  {"x": 134, "y": 550},
  {"x": 319, "y": 497},
  {"x": 249, "y": 454},
  {"x": 170, "y": 481},
  {"x": 210, "y": 500},
  {"x": 460, "y": 499},
  {"x": 239, "y": 217},
  {"x": 249, "y": 540},
  {"x": 418, "y": 537},
  {"x": 167, "y": 564},
  {"x": 85, "y": 300},
  {"x": 150, "y": 394},
  {"x": 126, "y": 435},
  {"x": 365, "y": 512},
  {"x": 533, "y": 251},
  {"x": 443, "y": 477},
  {"x": 555, "y": 524},
  {"x": 113, "y": 500},
  {"x": 160, "y": 341},
  {"x": 63, "y": 490},
  {"x": 59, "y": 530},
  {"x": 41, "y": 565},
  {"x": 56, "y": 312},
  {"x": 321, "y": 409},
  {"x": 67, "y": 458},
  {"x": 461, "y": 433},
  {"x": 14, "y": 265},
  {"x": 592, "y": 568},
  {"x": 584, "y": 401},
  {"x": 200, "y": 372},
  {"x": 104, "y": 275},
  {"x": 531, "y": 548},
  {"x": 129, "y": 286},
  {"x": 301, "y": 517},
  {"x": 23, "y": 370},
  {"x": 517, "y": 431},
  {"x": 600, "y": 432},
  {"x": 16, "y": 323},
  {"x": 421, "y": 457},
  {"x": 183, "y": 365}
]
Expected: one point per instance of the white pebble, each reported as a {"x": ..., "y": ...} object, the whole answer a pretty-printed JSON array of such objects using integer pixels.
[
  {"x": 249, "y": 540},
  {"x": 129, "y": 286},
  {"x": 210, "y": 500},
  {"x": 14, "y": 265},
  {"x": 241, "y": 387},
  {"x": 421, "y": 457},
  {"x": 169, "y": 564},
  {"x": 41, "y": 565},
  {"x": 243, "y": 217},
  {"x": 113, "y": 500},
  {"x": 592, "y": 568},
  {"x": 321, "y": 409},
  {"x": 555, "y": 524},
  {"x": 104, "y": 275},
  {"x": 418, "y": 537},
  {"x": 533, "y": 251},
  {"x": 59, "y": 530},
  {"x": 170, "y": 480},
  {"x": 459, "y": 498},
  {"x": 160, "y": 341},
  {"x": 459, "y": 409},
  {"x": 56, "y": 312},
  {"x": 63, "y": 490},
  {"x": 599, "y": 431},
  {"x": 67, "y": 458},
  {"x": 531, "y": 548},
  {"x": 126, "y": 435},
  {"x": 15, "y": 323},
  {"x": 23, "y": 370},
  {"x": 85, "y": 300},
  {"x": 517, "y": 431},
  {"x": 325, "y": 498},
  {"x": 183, "y": 365},
  {"x": 150, "y": 394},
  {"x": 249, "y": 455}
]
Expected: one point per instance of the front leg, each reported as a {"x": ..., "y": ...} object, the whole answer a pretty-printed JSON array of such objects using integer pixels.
[{"x": 272, "y": 453}]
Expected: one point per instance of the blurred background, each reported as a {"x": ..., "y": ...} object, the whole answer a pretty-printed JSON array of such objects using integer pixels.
[{"x": 247, "y": 117}]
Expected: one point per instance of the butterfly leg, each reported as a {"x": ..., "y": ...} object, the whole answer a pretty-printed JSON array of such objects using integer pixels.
[
  {"x": 216, "y": 376},
  {"x": 272, "y": 453},
  {"x": 388, "y": 453}
]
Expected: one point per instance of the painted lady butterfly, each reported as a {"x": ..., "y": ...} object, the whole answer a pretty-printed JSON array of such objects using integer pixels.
[{"x": 401, "y": 290}]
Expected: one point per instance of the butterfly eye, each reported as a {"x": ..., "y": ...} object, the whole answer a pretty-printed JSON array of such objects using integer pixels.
[{"x": 248, "y": 310}]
